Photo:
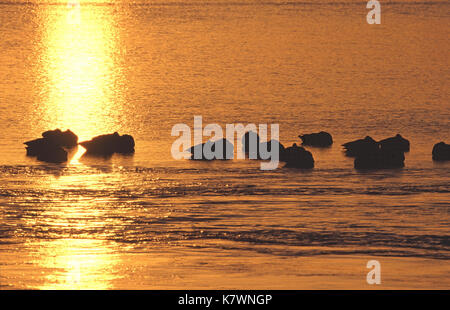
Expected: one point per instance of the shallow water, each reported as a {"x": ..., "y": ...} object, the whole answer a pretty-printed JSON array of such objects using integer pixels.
[{"x": 142, "y": 68}]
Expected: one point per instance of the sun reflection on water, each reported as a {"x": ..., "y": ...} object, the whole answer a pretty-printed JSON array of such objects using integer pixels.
[
  {"x": 82, "y": 87},
  {"x": 75, "y": 252},
  {"x": 79, "y": 65},
  {"x": 76, "y": 264}
]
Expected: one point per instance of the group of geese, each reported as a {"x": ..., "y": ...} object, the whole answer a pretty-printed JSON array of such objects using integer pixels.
[
  {"x": 388, "y": 153},
  {"x": 367, "y": 153},
  {"x": 54, "y": 145}
]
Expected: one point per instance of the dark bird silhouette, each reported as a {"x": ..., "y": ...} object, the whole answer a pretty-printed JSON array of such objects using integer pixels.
[
  {"x": 386, "y": 154},
  {"x": 397, "y": 143},
  {"x": 380, "y": 159},
  {"x": 320, "y": 139},
  {"x": 441, "y": 151},
  {"x": 361, "y": 146},
  {"x": 213, "y": 150},
  {"x": 297, "y": 157},
  {"x": 106, "y": 145},
  {"x": 62, "y": 138},
  {"x": 50, "y": 148},
  {"x": 55, "y": 155}
]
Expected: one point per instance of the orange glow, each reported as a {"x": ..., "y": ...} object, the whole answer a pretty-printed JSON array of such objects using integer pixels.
[
  {"x": 81, "y": 69},
  {"x": 76, "y": 264}
]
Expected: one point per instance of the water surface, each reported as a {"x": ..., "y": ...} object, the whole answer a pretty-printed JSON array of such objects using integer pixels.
[{"x": 148, "y": 221}]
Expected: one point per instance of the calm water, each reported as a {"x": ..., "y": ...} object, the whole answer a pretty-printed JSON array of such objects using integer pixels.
[{"x": 141, "y": 68}]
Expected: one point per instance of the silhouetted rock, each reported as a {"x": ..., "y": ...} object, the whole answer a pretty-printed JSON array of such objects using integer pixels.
[
  {"x": 250, "y": 144},
  {"x": 380, "y": 159},
  {"x": 361, "y": 147},
  {"x": 320, "y": 139},
  {"x": 397, "y": 143},
  {"x": 62, "y": 138},
  {"x": 441, "y": 151},
  {"x": 50, "y": 147},
  {"x": 213, "y": 150},
  {"x": 106, "y": 145},
  {"x": 297, "y": 157}
]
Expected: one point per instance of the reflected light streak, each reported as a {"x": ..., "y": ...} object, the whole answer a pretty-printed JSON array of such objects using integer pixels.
[
  {"x": 80, "y": 69},
  {"x": 76, "y": 264},
  {"x": 81, "y": 91}
]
